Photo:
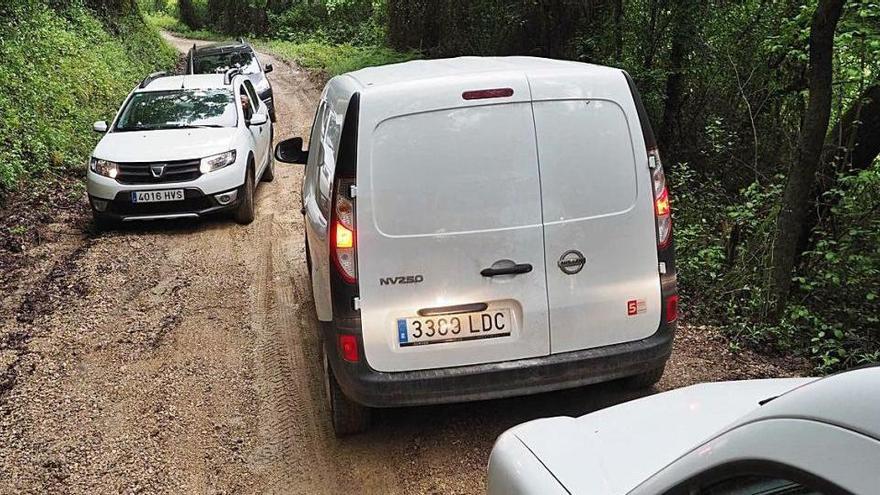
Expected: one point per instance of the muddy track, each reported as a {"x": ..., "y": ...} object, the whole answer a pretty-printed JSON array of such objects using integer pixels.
[{"x": 184, "y": 358}]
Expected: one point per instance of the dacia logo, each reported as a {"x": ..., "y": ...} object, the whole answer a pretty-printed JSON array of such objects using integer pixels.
[{"x": 403, "y": 279}]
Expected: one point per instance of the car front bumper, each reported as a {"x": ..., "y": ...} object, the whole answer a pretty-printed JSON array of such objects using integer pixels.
[
  {"x": 112, "y": 199},
  {"x": 195, "y": 204},
  {"x": 494, "y": 380}
]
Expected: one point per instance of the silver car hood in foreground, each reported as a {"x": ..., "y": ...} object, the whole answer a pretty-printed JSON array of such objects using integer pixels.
[{"x": 612, "y": 450}]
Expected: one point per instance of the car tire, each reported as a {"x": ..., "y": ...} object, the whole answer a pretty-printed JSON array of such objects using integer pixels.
[
  {"x": 102, "y": 223},
  {"x": 269, "y": 172},
  {"x": 244, "y": 214},
  {"x": 348, "y": 417},
  {"x": 308, "y": 259},
  {"x": 647, "y": 379}
]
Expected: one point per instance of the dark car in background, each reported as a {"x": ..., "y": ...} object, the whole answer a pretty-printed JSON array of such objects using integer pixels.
[{"x": 218, "y": 57}]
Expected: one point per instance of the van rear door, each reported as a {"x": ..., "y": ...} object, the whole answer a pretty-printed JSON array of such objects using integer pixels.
[
  {"x": 599, "y": 232},
  {"x": 449, "y": 201}
]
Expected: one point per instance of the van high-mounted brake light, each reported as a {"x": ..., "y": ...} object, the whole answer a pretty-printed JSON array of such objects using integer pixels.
[{"x": 483, "y": 94}]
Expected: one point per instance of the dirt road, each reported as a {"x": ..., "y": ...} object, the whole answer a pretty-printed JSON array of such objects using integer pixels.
[{"x": 182, "y": 358}]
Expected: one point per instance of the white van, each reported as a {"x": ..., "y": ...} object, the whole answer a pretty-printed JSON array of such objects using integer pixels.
[{"x": 482, "y": 228}]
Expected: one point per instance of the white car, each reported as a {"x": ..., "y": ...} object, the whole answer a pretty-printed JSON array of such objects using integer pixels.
[
  {"x": 484, "y": 227},
  {"x": 182, "y": 147},
  {"x": 779, "y": 436}
]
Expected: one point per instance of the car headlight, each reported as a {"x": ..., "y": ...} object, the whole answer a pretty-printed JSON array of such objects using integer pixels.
[
  {"x": 216, "y": 162},
  {"x": 104, "y": 167}
]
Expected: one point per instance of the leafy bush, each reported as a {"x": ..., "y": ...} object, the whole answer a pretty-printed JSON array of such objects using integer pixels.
[{"x": 63, "y": 71}]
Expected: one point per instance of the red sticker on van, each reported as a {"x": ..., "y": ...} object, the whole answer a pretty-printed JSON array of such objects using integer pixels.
[{"x": 636, "y": 307}]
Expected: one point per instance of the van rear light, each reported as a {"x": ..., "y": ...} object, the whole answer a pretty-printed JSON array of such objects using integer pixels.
[
  {"x": 482, "y": 94},
  {"x": 343, "y": 235},
  {"x": 671, "y": 308},
  {"x": 348, "y": 348},
  {"x": 662, "y": 208}
]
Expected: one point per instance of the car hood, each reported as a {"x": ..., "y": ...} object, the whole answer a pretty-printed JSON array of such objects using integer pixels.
[
  {"x": 165, "y": 145},
  {"x": 613, "y": 450}
]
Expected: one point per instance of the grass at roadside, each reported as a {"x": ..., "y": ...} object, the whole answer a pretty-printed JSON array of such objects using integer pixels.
[
  {"x": 62, "y": 69},
  {"x": 172, "y": 24},
  {"x": 334, "y": 59}
]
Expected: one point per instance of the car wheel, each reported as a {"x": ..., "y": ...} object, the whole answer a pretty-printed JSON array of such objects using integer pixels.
[
  {"x": 102, "y": 223},
  {"x": 269, "y": 172},
  {"x": 348, "y": 417},
  {"x": 647, "y": 379},
  {"x": 308, "y": 259},
  {"x": 244, "y": 214}
]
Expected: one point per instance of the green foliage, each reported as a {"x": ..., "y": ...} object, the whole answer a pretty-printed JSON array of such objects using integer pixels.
[
  {"x": 357, "y": 22},
  {"x": 170, "y": 23},
  {"x": 335, "y": 59},
  {"x": 62, "y": 70}
]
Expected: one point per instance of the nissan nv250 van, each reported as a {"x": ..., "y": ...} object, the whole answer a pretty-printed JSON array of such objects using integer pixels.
[{"x": 484, "y": 227}]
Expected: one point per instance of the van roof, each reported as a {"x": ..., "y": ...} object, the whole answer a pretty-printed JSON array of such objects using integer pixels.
[
  {"x": 417, "y": 70},
  {"x": 189, "y": 81}
]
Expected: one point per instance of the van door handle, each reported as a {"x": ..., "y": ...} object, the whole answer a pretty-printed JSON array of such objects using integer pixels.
[{"x": 508, "y": 270}]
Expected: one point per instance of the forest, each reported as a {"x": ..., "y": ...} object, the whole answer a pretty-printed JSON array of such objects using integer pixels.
[{"x": 767, "y": 113}]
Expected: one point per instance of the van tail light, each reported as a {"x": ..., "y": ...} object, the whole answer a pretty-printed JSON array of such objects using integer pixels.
[
  {"x": 348, "y": 348},
  {"x": 662, "y": 209},
  {"x": 671, "y": 308},
  {"x": 343, "y": 237}
]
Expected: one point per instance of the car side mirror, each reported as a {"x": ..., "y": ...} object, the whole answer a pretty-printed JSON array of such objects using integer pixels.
[
  {"x": 268, "y": 68},
  {"x": 257, "y": 119},
  {"x": 100, "y": 126},
  {"x": 291, "y": 151}
]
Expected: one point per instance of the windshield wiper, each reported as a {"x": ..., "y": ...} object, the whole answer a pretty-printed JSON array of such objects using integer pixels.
[{"x": 198, "y": 126}]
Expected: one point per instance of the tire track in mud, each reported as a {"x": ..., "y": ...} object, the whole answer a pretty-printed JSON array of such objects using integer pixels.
[{"x": 292, "y": 424}]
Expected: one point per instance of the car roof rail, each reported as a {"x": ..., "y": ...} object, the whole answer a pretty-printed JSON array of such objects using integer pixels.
[
  {"x": 229, "y": 74},
  {"x": 152, "y": 77},
  {"x": 241, "y": 40}
]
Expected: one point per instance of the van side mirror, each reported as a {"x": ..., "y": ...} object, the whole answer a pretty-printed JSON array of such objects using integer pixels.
[
  {"x": 290, "y": 151},
  {"x": 268, "y": 68},
  {"x": 100, "y": 126},
  {"x": 257, "y": 119}
]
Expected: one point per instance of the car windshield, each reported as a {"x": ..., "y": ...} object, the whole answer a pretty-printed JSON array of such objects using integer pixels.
[
  {"x": 181, "y": 108},
  {"x": 219, "y": 62}
]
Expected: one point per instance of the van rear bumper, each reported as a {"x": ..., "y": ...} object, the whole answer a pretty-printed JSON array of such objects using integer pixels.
[{"x": 496, "y": 380}]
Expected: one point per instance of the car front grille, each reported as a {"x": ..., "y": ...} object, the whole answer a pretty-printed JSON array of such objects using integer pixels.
[{"x": 142, "y": 173}]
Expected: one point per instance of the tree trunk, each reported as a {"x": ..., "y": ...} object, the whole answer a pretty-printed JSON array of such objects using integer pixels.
[
  {"x": 797, "y": 197},
  {"x": 617, "y": 13},
  {"x": 855, "y": 140},
  {"x": 684, "y": 32},
  {"x": 852, "y": 145}
]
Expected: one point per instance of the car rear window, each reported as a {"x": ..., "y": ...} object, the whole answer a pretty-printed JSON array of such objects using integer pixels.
[
  {"x": 219, "y": 62},
  {"x": 152, "y": 110}
]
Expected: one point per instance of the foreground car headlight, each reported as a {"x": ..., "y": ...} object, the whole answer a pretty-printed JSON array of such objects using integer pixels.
[
  {"x": 104, "y": 167},
  {"x": 216, "y": 162}
]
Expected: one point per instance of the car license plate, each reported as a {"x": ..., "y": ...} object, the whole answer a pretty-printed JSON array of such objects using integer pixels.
[
  {"x": 451, "y": 328},
  {"x": 157, "y": 196}
]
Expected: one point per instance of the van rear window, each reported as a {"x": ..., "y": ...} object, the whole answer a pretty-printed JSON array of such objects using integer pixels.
[{"x": 458, "y": 170}]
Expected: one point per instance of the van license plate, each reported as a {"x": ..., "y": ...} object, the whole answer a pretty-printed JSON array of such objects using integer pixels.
[
  {"x": 453, "y": 328},
  {"x": 157, "y": 196}
]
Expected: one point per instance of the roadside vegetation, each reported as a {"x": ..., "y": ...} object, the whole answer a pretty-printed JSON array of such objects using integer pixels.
[
  {"x": 771, "y": 146},
  {"x": 65, "y": 65}
]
